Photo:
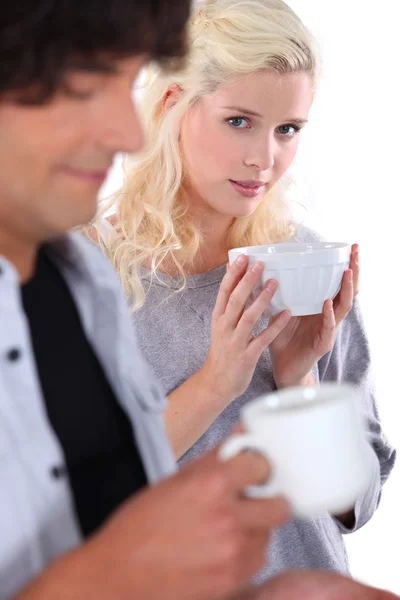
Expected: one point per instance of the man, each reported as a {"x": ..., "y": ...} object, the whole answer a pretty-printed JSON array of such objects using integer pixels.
[{"x": 81, "y": 426}]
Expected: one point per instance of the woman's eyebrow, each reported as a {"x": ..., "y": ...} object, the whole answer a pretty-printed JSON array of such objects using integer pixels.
[{"x": 247, "y": 111}]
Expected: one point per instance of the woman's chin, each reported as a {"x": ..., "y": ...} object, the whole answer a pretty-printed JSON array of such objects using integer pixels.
[{"x": 244, "y": 212}]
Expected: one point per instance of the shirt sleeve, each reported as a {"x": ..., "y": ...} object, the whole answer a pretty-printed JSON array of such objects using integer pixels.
[{"x": 349, "y": 362}]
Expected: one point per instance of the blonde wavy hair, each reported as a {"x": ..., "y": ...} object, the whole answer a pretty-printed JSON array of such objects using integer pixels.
[{"x": 228, "y": 39}]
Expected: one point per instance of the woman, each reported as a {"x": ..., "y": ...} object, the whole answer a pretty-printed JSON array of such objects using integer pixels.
[{"x": 221, "y": 135}]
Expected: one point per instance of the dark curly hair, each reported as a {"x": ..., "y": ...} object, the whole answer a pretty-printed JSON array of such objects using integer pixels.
[{"x": 42, "y": 40}]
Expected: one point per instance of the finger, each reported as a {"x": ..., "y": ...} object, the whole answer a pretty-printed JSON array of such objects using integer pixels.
[
  {"x": 266, "y": 337},
  {"x": 328, "y": 315},
  {"x": 251, "y": 316},
  {"x": 328, "y": 326},
  {"x": 231, "y": 279},
  {"x": 346, "y": 297},
  {"x": 355, "y": 267},
  {"x": 355, "y": 248},
  {"x": 247, "y": 468},
  {"x": 242, "y": 293},
  {"x": 258, "y": 514}
]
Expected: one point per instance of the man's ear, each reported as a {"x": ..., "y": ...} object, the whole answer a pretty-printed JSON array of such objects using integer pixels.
[{"x": 171, "y": 96}]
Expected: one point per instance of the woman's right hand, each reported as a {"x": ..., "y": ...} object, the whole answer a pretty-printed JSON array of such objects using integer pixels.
[{"x": 234, "y": 351}]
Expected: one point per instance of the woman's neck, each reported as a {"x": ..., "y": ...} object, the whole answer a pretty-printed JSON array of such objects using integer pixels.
[{"x": 213, "y": 251}]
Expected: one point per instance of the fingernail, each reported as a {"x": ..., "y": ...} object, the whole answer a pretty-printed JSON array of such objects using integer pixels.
[
  {"x": 258, "y": 267},
  {"x": 271, "y": 285},
  {"x": 351, "y": 276},
  {"x": 240, "y": 260}
]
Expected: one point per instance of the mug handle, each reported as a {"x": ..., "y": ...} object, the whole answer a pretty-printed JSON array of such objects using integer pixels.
[{"x": 246, "y": 441}]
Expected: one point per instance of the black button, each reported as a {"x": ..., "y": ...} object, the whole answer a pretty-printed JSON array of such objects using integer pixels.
[
  {"x": 58, "y": 472},
  {"x": 14, "y": 354}
]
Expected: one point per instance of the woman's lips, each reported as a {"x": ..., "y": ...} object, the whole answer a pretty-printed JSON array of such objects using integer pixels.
[{"x": 247, "y": 189}]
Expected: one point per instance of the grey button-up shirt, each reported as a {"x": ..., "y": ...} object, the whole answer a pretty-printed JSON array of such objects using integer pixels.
[{"x": 37, "y": 520}]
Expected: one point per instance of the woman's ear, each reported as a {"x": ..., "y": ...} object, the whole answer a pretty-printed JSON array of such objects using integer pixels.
[{"x": 171, "y": 96}]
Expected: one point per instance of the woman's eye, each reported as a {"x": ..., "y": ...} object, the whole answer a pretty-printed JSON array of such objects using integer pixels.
[
  {"x": 288, "y": 130},
  {"x": 238, "y": 122}
]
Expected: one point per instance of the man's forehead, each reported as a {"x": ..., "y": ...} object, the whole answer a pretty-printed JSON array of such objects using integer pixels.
[{"x": 106, "y": 64}]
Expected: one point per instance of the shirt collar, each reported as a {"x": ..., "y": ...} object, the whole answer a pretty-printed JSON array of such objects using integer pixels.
[{"x": 71, "y": 251}]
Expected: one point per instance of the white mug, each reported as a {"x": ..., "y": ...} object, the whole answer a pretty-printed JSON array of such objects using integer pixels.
[{"x": 316, "y": 443}]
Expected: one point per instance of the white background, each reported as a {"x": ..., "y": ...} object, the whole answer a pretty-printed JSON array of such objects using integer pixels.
[{"x": 347, "y": 174}]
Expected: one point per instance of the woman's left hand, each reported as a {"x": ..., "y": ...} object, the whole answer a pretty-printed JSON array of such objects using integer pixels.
[{"x": 304, "y": 340}]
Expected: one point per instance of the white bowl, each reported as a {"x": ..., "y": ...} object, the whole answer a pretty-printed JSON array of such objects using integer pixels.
[{"x": 307, "y": 274}]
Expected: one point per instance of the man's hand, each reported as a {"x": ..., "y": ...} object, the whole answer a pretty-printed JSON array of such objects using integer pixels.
[{"x": 194, "y": 537}]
